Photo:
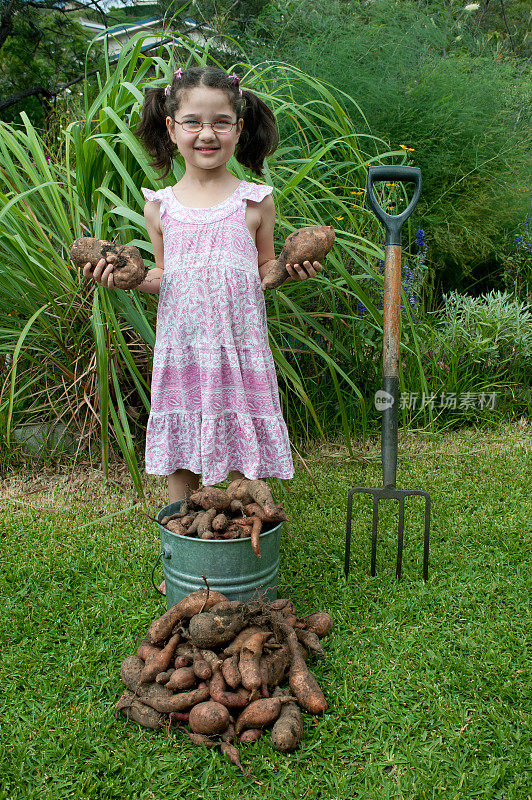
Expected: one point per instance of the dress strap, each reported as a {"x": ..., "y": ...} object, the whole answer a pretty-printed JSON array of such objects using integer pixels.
[
  {"x": 160, "y": 196},
  {"x": 254, "y": 191}
]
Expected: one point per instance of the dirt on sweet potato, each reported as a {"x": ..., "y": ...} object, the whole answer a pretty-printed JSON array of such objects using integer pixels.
[{"x": 129, "y": 269}]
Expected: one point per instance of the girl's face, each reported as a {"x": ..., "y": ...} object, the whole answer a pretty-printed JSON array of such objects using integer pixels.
[{"x": 206, "y": 149}]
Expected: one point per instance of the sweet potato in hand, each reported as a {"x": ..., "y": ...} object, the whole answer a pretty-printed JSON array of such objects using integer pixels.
[
  {"x": 306, "y": 244},
  {"x": 129, "y": 269}
]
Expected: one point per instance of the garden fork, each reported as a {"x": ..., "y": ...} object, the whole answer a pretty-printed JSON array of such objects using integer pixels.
[{"x": 387, "y": 399}]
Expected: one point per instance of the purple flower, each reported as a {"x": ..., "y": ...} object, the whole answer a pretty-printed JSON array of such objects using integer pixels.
[{"x": 420, "y": 238}]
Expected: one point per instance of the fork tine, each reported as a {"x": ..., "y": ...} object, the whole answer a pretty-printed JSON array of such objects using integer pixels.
[
  {"x": 400, "y": 529},
  {"x": 426, "y": 538},
  {"x": 374, "y": 534},
  {"x": 348, "y": 532}
]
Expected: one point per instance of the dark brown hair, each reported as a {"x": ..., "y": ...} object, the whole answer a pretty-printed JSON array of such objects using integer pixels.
[{"x": 259, "y": 137}]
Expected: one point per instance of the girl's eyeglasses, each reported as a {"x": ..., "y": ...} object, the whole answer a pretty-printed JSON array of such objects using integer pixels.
[{"x": 194, "y": 126}]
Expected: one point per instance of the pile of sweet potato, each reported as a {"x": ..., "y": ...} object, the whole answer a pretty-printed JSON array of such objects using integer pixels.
[
  {"x": 242, "y": 510},
  {"x": 217, "y": 668}
]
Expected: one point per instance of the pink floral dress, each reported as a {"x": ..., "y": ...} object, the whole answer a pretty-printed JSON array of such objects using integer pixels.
[{"x": 214, "y": 395}]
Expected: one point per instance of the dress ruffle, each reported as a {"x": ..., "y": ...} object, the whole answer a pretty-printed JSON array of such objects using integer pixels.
[{"x": 214, "y": 446}]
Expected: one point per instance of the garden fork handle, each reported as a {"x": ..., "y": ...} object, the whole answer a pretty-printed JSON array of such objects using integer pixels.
[{"x": 391, "y": 308}]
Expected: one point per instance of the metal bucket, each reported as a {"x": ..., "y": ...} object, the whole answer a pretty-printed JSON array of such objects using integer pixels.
[{"x": 229, "y": 565}]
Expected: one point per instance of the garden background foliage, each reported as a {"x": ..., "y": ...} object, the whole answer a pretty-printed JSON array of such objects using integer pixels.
[{"x": 397, "y": 73}]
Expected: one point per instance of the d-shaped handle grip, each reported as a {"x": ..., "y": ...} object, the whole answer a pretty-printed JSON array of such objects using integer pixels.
[{"x": 393, "y": 223}]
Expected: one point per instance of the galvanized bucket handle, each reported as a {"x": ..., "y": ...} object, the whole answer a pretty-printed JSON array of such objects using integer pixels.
[{"x": 159, "y": 557}]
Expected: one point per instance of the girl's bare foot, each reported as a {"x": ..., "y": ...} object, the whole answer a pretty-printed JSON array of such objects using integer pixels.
[{"x": 162, "y": 588}]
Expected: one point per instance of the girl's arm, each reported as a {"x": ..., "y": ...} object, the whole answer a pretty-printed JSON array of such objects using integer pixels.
[
  {"x": 265, "y": 246},
  {"x": 264, "y": 236},
  {"x": 152, "y": 216}
]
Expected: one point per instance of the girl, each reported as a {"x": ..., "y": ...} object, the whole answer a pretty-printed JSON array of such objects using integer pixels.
[{"x": 214, "y": 397}]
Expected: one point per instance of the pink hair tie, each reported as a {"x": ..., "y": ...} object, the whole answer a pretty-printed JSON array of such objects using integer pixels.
[
  {"x": 167, "y": 90},
  {"x": 177, "y": 73},
  {"x": 235, "y": 80}
]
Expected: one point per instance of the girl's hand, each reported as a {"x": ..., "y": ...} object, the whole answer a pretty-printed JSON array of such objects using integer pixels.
[
  {"x": 102, "y": 273},
  {"x": 299, "y": 272}
]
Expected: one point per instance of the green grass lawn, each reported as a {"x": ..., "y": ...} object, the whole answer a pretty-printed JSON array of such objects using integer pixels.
[{"x": 428, "y": 685}]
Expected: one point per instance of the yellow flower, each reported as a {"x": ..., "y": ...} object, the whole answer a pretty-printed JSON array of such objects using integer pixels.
[
  {"x": 391, "y": 184},
  {"x": 408, "y": 149},
  {"x": 50, "y": 235},
  {"x": 338, "y": 217},
  {"x": 357, "y": 193}
]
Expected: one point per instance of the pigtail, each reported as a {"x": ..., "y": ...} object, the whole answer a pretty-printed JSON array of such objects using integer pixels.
[
  {"x": 259, "y": 137},
  {"x": 153, "y": 133}
]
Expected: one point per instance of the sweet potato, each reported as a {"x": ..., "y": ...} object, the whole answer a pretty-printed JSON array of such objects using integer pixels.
[
  {"x": 238, "y": 699},
  {"x": 233, "y": 755},
  {"x": 240, "y": 638},
  {"x": 255, "y": 533},
  {"x": 210, "y": 718},
  {"x": 306, "y": 244},
  {"x": 217, "y": 627},
  {"x": 305, "y": 687},
  {"x": 125, "y": 701},
  {"x": 147, "y": 651},
  {"x": 310, "y": 640},
  {"x": 210, "y": 497},
  {"x": 160, "y": 662},
  {"x": 202, "y": 669},
  {"x": 129, "y": 269},
  {"x": 277, "y": 664},
  {"x": 262, "y": 495},
  {"x": 249, "y": 661},
  {"x": 186, "y": 651},
  {"x": 287, "y": 730},
  {"x": 283, "y": 604},
  {"x": 231, "y": 532},
  {"x": 187, "y": 520},
  {"x": 162, "y": 699},
  {"x": 130, "y": 670},
  {"x": 320, "y": 622},
  {"x": 164, "y": 677},
  {"x": 231, "y": 672},
  {"x": 212, "y": 658},
  {"x": 193, "y": 603},
  {"x": 202, "y": 739},
  {"x": 236, "y": 507},
  {"x": 300, "y": 679},
  {"x": 250, "y": 736},
  {"x": 183, "y": 678},
  {"x": 237, "y": 490},
  {"x": 260, "y": 713},
  {"x": 132, "y": 708},
  {"x": 175, "y": 717},
  {"x": 176, "y": 526},
  {"x": 229, "y": 734},
  {"x": 220, "y": 522},
  {"x": 274, "y": 514}
]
